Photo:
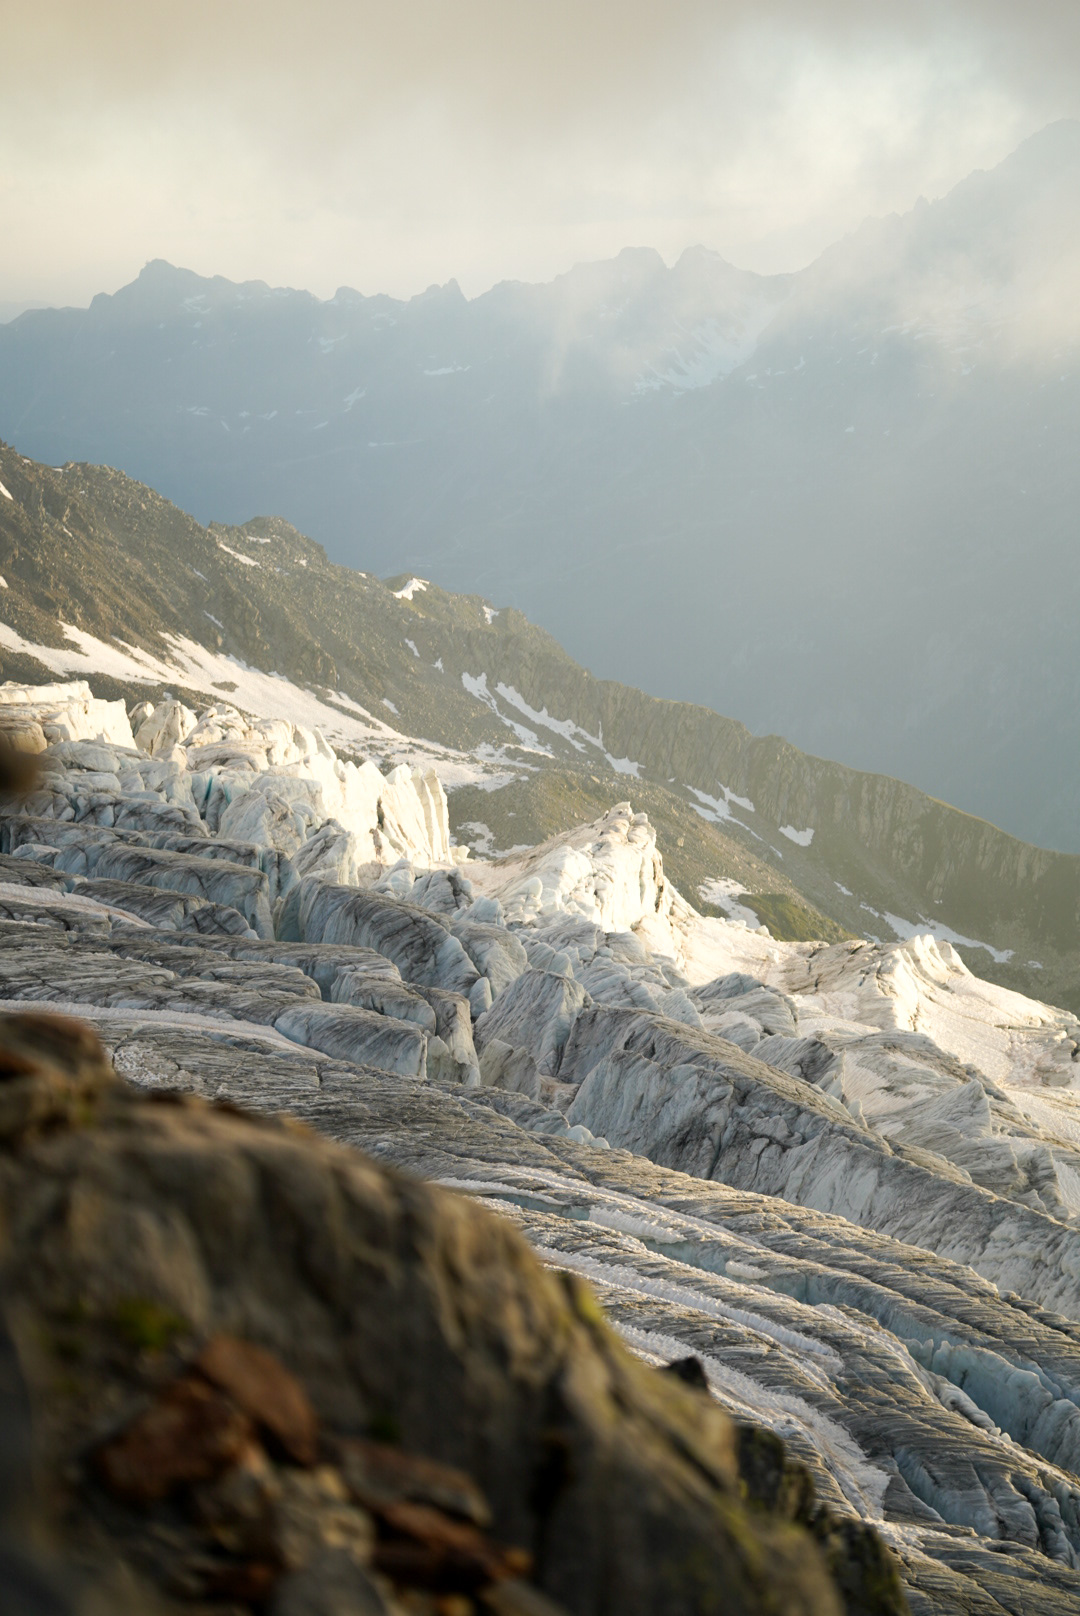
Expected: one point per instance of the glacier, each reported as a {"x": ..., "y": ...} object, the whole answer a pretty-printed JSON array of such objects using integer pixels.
[{"x": 845, "y": 1177}]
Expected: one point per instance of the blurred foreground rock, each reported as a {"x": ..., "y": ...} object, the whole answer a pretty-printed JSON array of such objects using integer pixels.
[{"x": 266, "y": 1373}]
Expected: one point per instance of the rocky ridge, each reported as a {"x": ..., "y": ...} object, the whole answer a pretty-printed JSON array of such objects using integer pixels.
[{"x": 842, "y": 1177}]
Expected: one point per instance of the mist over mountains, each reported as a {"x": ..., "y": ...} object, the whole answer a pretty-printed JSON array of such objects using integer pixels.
[{"x": 838, "y": 504}]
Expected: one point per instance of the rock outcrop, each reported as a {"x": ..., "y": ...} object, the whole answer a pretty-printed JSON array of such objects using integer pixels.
[{"x": 230, "y": 1307}]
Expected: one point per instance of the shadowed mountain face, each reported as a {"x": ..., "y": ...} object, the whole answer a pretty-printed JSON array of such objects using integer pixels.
[{"x": 839, "y": 503}]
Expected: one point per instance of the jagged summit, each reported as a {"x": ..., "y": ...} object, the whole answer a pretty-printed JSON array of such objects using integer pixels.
[{"x": 161, "y": 289}]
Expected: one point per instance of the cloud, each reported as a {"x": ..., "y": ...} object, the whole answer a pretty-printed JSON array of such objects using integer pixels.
[{"x": 389, "y": 146}]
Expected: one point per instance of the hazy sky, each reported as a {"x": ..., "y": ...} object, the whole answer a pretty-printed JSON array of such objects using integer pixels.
[{"x": 387, "y": 146}]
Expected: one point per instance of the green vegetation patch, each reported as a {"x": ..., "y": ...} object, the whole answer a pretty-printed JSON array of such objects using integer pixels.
[
  {"x": 792, "y": 922},
  {"x": 147, "y": 1325}
]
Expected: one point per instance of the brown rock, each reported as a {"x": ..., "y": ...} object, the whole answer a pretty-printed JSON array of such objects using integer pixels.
[
  {"x": 259, "y": 1511},
  {"x": 423, "y": 1548},
  {"x": 378, "y": 1474},
  {"x": 263, "y": 1388},
  {"x": 37, "y": 1040},
  {"x": 20, "y": 741},
  {"x": 388, "y": 1298},
  {"x": 248, "y": 1583},
  {"x": 188, "y": 1434},
  {"x": 53, "y": 1069}
]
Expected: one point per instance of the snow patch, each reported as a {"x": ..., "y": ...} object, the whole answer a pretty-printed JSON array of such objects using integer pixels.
[
  {"x": 415, "y": 586},
  {"x": 561, "y": 726},
  {"x": 4, "y": 491},
  {"x": 906, "y": 929},
  {"x": 248, "y": 561},
  {"x": 802, "y": 837},
  {"x": 569, "y": 731},
  {"x": 264, "y": 695},
  {"x": 724, "y": 893},
  {"x": 709, "y": 351},
  {"x": 477, "y": 686},
  {"x": 717, "y": 809},
  {"x": 480, "y": 837}
]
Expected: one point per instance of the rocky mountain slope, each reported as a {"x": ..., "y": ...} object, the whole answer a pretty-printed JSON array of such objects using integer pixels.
[
  {"x": 106, "y": 581},
  {"x": 837, "y": 1185},
  {"x": 829, "y": 502}
]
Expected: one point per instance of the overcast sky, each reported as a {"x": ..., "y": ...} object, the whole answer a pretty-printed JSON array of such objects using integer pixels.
[{"x": 388, "y": 146}]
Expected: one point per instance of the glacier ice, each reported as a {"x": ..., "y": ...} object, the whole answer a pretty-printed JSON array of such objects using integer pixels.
[{"x": 846, "y": 1177}]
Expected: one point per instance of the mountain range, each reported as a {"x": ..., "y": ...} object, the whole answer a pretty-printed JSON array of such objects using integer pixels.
[{"x": 839, "y": 503}]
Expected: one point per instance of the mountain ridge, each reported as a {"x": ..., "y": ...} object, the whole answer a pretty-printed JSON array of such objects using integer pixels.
[{"x": 105, "y": 576}]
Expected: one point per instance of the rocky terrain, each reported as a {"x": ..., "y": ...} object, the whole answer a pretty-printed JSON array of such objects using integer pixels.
[
  {"x": 828, "y": 502},
  {"x": 107, "y": 582},
  {"x": 837, "y": 1184}
]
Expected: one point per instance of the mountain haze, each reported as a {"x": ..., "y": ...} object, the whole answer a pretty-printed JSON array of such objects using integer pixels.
[{"x": 839, "y": 503}]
